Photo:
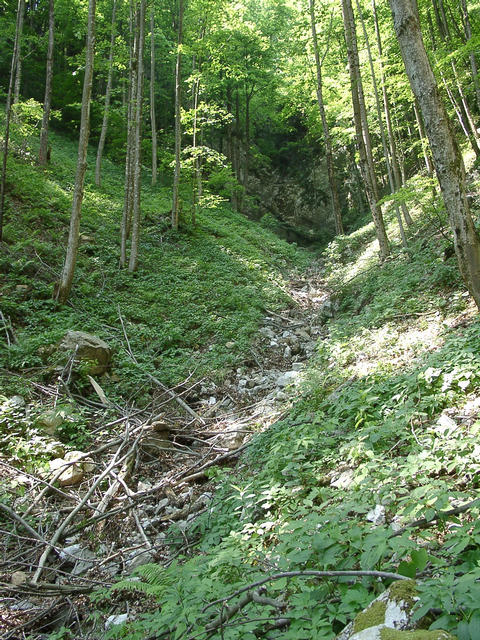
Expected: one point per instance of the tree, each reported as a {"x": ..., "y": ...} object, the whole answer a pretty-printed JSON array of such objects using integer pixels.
[
  {"x": 137, "y": 139},
  {"x": 178, "y": 121},
  {"x": 361, "y": 128},
  {"x": 43, "y": 151},
  {"x": 152, "y": 96},
  {"x": 108, "y": 91},
  {"x": 64, "y": 287},
  {"x": 337, "y": 214},
  {"x": 8, "y": 108},
  {"x": 447, "y": 157}
]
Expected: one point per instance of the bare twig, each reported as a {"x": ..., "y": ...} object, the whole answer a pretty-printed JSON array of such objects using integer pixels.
[{"x": 423, "y": 523}]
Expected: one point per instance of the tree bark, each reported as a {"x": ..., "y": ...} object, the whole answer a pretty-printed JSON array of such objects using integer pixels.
[
  {"x": 447, "y": 158},
  {"x": 128, "y": 195},
  {"x": 65, "y": 285},
  {"x": 18, "y": 68},
  {"x": 108, "y": 91},
  {"x": 43, "y": 151},
  {"x": 381, "y": 127},
  {"x": 152, "y": 96},
  {"x": 8, "y": 109},
  {"x": 337, "y": 212},
  {"x": 473, "y": 60},
  {"x": 178, "y": 123},
  {"x": 388, "y": 119},
  {"x": 137, "y": 142},
  {"x": 361, "y": 128}
]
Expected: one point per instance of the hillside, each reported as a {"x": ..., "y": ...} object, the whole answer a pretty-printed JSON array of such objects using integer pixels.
[{"x": 363, "y": 458}]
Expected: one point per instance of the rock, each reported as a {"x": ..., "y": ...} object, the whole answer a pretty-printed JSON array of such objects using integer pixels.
[
  {"x": 301, "y": 333},
  {"x": 267, "y": 333},
  {"x": 49, "y": 421},
  {"x": 445, "y": 425},
  {"x": 287, "y": 354},
  {"x": 89, "y": 349},
  {"x": 82, "y": 558},
  {"x": 344, "y": 480},
  {"x": 16, "y": 402},
  {"x": 138, "y": 558},
  {"x": 229, "y": 345},
  {"x": 154, "y": 442},
  {"x": 18, "y": 578},
  {"x": 74, "y": 473},
  {"x": 377, "y": 515},
  {"x": 111, "y": 621},
  {"x": 287, "y": 378},
  {"x": 389, "y": 617},
  {"x": 297, "y": 366}
]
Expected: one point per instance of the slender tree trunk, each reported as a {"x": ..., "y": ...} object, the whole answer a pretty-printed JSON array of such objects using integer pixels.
[
  {"x": 388, "y": 119},
  {"x": 65, "y": 285},
  {"x": 382, "y": 128},
  {"x": 197, "y": 179},
  {"x": 361, "y": 128},
  {"x": 128, "y": 195},
  {"x": 447, "y": 157},
  {"x": 337, "y": 212},
  {"x": 153, "y": 122},
  {"x": 18, "y": 69},
  {"x": 473, "y": 60},
  {"x": 108, "y": 91},
  {"x": 246, "y": 155},
  {"x": 178, "y": 123},
  {"x": 8, "y": 109},
  {"x": 137, "y": 142},
  {"x": 43, "y": 151}
]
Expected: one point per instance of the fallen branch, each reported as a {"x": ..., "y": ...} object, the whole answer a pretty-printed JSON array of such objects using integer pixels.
[
  {"x": 423, "y": 523},
  {"x": 249, "y": 596},
  {"x": 385, "y": 575},
  {"x": 21, "y": 521}
]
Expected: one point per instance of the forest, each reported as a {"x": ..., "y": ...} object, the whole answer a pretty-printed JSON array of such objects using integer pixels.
[{"x": 239, "y": 331}]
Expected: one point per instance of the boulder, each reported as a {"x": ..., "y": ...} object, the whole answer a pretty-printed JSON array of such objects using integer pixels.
[
  {"x": 88, "y": 349},
  {"x": 74, "y": 471},
  {"x": 389, "y": 617}
]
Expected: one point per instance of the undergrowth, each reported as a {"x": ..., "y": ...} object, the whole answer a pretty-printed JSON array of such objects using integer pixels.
[
  {"x": 195, "y": 291},
  {"x": 387, "y": 423}
]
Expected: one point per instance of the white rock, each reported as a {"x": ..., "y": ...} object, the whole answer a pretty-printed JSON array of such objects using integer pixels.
[
  {"x": 377, "y": 515},
  {"x": 289, "y": 377},
  {"x": 344, "y": 480},
  {"x": 445, "y": 425},
  {"x": 115, "y": 619}
]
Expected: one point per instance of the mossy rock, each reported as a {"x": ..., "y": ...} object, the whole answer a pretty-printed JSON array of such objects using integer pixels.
[{"x": 389, "y": 617}]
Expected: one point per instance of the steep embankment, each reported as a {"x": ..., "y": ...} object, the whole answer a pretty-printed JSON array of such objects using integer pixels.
[
  {"x": 370, "y": 462},
  {"x": 374, "y": 469}
]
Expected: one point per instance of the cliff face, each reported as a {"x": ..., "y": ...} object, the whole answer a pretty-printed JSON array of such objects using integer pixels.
[{"x": 299, "y": 202}]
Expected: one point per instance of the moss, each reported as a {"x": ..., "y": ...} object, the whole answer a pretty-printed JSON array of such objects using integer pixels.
[
  {"x": 394, "y": 634},
  {"x": 371, "y": 617},
  {"x": 404, "y": 591}
]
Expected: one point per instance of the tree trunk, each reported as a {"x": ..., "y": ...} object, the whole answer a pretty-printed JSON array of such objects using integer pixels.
[
  {"x": 337, "y": 212},
  {"x": 18, "y": 68},
  {"x": 65, "y": 285},
  {"x": 447, "y": 158},
  {"x": 153, "y": 123},
  {"x": 178, "y": 123},
  {"x": 137, "y": 141},
  {"x": 382, "y": 128},
  {"x": 43, "y": 151},
  {"x": 473, "y": 60},
  {"x": 128, "y": 195},
  {"x": 108, "y": 91},
  {"x": 388, "y": 119},
  {"x": 8, "y": 108},
  {"x": 361, "y": 128}
]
